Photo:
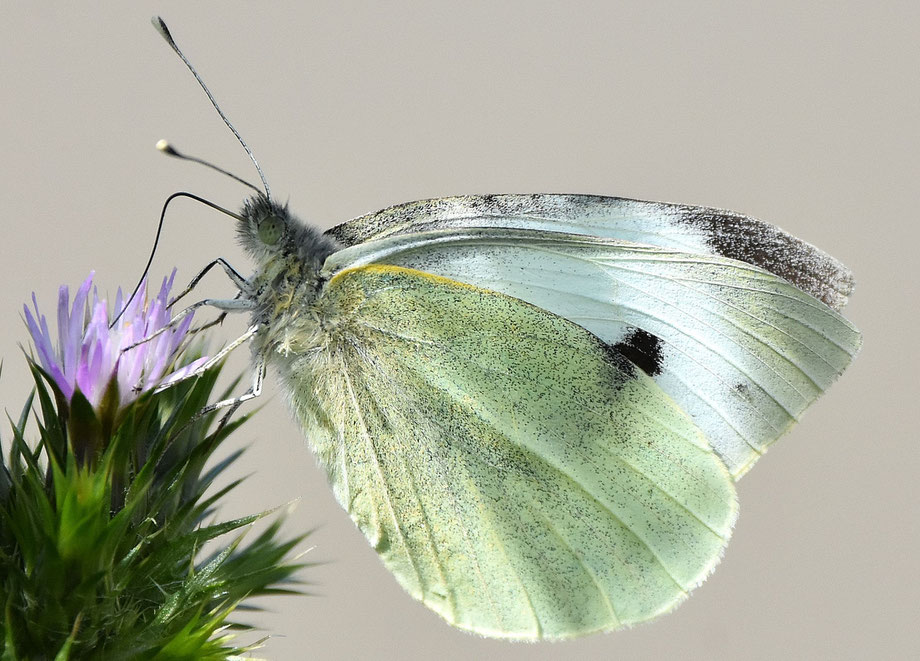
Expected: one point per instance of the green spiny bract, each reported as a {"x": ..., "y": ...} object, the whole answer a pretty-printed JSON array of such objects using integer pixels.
[{"x": 101, "y": 554}]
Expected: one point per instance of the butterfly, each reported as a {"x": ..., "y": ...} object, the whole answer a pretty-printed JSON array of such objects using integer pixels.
[{"x": 536, "y": 407}]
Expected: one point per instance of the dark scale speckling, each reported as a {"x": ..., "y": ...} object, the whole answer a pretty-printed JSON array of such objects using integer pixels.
[
  {"x": 743, "y": 391},
  {"x": 643, "y": 349},
  {"x": 740, "y": 237}
]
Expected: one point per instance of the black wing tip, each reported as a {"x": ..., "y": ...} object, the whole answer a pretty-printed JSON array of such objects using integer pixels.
[{"x": 738, "y": 236}]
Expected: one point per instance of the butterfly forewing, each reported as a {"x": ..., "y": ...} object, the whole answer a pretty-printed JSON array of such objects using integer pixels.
[
  {"x": 741, "y": 350},
  {"x": 681, "y": 227},
  {"x": 516, "y": 473}
]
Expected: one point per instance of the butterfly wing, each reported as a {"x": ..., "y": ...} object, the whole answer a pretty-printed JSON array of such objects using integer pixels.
[
  {"x": 686, "y": 228},
  {"x": 742, "y": 350},
  {"x": 515, "y": 473}
]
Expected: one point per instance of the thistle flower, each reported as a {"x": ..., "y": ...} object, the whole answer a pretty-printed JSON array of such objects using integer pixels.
[
  {"x": 103, "y": 519},
  {"x": 90, "y": 357}
]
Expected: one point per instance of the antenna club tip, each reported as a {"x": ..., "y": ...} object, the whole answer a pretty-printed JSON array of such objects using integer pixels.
[
  {"x": 160, "y": 26},
  {"x": 164, "y": 31},
  {"x": 166, "y": 148}
]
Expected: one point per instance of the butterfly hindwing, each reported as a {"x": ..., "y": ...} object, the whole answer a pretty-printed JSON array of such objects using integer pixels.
[
  {"x": 741, "y": 350},
  {"x": 515, "y": 473}
]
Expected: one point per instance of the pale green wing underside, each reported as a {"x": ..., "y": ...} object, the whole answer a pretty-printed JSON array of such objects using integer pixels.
[
  {"x": 516, "y": 475},
  {"x": 741, "y": 350}
]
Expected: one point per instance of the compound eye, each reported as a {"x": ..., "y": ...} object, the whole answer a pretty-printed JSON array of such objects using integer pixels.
[{"x": 270, "y": 230}]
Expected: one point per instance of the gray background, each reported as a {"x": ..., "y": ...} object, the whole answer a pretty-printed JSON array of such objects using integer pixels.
[{"x": 803, "y": 114}]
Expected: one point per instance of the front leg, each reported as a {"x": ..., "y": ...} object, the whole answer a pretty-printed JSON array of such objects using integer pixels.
[
  {"x": 239, "y": 281},
  {"x": 225, "y": 305}
]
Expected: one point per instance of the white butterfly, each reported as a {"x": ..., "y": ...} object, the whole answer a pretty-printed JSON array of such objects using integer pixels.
[{"x": 535, "y": 407}]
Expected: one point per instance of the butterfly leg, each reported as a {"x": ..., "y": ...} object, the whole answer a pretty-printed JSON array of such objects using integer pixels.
[
  {"x": 234, "y": 402},
  {"x": 241, "y": 283},
  {"x": 216, "y": 358},
  {"x": 217, "y": 321},
  {"x": 226, "y": 305}
]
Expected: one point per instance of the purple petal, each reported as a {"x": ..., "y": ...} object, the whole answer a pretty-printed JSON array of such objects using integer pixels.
[
  {"x": 76, "y": 322},
  {"x": 89, "y": 353},
  {"x": 41, "y": 342},
  {"x": 65, "y": 346},
  {"x": 91, "y": 378},
  {"x": 118, "y": 303},
  {"x": 42, "y": 339}
]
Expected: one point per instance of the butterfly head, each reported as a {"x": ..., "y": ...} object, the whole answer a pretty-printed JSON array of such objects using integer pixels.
[{"x": 270, "y": 232}]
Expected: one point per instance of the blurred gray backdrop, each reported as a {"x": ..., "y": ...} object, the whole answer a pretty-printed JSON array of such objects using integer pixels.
[{"x": 802, "y": 114}]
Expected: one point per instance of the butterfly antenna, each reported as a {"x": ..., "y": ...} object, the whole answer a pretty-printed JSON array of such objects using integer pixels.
[
  {"x": 164, "y": 32},
  {"x": 169, "y": 150},
  {"x": 156, "y": 242}
]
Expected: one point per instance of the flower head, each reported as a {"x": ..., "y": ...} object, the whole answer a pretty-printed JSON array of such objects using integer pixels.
[{"x": 89, "y": 353}]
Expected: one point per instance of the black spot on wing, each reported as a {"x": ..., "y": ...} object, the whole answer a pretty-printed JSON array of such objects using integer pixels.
[
  {"x": 642, "y": 349},
  {"x": 743, "y": 391}
]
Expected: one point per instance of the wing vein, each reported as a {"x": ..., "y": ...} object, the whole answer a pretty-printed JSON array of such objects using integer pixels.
[
  {"x": 359, "y": 417},
  {"x": 469, "y": 543},
  {"x": 683, "y": 282},
  {"x": 597, "y": 584},
  {"x": 576, "y": 483}
]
